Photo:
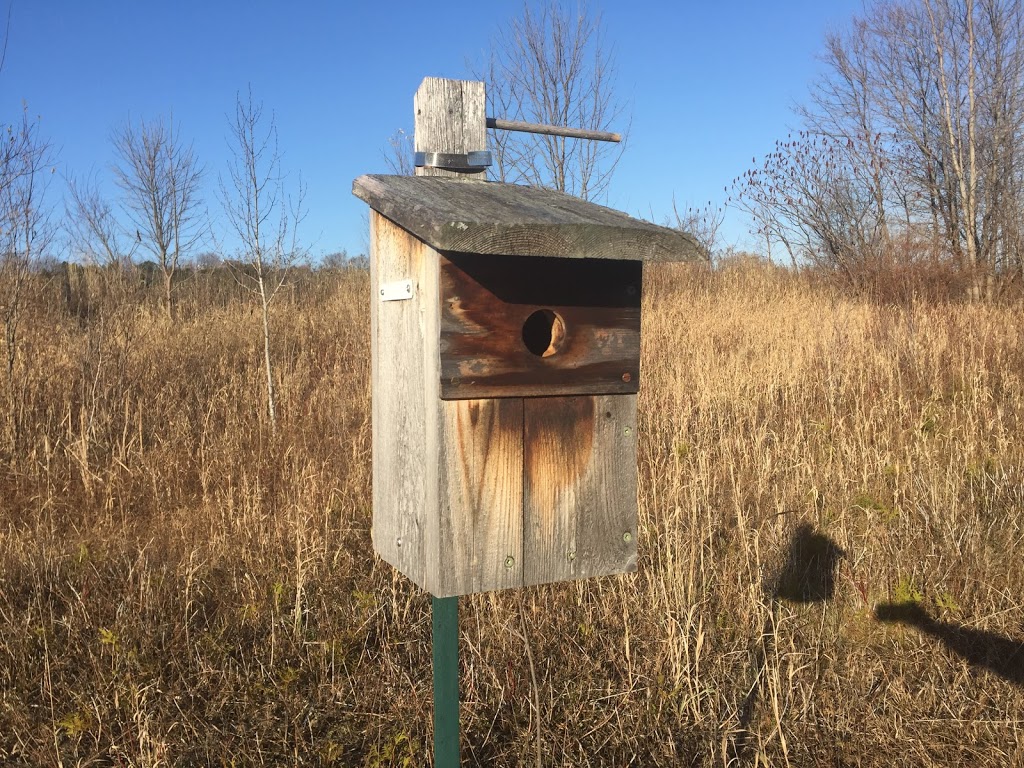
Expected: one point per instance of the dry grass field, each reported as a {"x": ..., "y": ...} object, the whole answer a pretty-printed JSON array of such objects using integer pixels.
[{"x": 831, "y": 503}]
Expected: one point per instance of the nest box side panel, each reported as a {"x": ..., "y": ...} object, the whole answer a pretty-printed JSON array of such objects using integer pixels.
[
  {"x": 526, "y": 326},
  {"x": 404, "y": 400},
  {"x": 580, "y": 508},
  {"x": 481, "y": 529}
]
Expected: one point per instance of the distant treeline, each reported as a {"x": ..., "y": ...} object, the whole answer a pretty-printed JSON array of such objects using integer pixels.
[{"x": 209, "y": 282}]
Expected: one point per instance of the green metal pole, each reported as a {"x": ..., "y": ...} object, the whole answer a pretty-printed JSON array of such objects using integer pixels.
[{"x": 445, "y": 612}]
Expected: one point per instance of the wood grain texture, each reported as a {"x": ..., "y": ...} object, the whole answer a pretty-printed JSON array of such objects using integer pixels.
[
  {"x": 486, "y": 302},
  {"x": 404, "y": 403},
  {"x": 580, "y": 507},
  {"x": 449, "y": 117},
  {"x": 481, "y": 527},
  {"x": 508, "y": 219},
  {"x": 478, "y": 494}
]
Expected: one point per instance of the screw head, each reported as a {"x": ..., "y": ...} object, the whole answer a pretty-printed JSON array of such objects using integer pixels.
[
  {"x": 571, "y": 556},
  {"x": 398, "y": 541},
  {"x": 631, "y": 290},
  {"x": 627, "y": 431},
  {"x": 626, "y": 377},
  {"x": 627, "y": 537},
  {"x": 509, "y": 562}
]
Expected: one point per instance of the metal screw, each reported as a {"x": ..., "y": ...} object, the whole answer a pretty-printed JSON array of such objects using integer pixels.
[
  {"x": 571, "y": 556},
  {"x": 509, "y": 562},
  {"x": 626, "y": 377},
  {"x": 381, "y": 291},
  {"x": 631, "y": 290},
  {"x": 398, "y": 541},
  {"x": 627, "y": 537},
  {"x": 627, "y": 431}
]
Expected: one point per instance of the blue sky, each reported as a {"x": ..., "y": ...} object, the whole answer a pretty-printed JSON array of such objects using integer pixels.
[{"x": 710, "y": 85}]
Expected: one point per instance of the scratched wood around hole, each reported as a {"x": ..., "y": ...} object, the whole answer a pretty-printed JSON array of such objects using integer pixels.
[
  {"x": 404, "y": 403},
  {"x": 482, "y": 496},
  {"x": 486, "y": 301},
  {"x": 580, "y": 509}
]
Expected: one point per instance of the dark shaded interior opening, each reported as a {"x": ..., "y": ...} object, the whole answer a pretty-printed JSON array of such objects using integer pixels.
[{"x": 543, "y": 332}]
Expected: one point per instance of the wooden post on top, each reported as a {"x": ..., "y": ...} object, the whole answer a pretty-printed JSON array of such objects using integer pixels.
[{"x": 450, "y": 118}]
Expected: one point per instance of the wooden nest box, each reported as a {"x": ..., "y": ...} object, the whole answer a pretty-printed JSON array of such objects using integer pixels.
[{"x": 506, "y": 364}]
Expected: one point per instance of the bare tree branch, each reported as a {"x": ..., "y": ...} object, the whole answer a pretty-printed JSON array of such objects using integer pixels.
[
  {"x": 399, "y": 153},
  {"x": 93, "y": 226},
  {"x": 26, "y": 232},
  {"x": 914, "y": 133},
  {"x": 552, "y": 67},
  {"x": 160, "y": 180},
  {"x": 263, "y": 216},
  {"x": 704, "y": 223}
]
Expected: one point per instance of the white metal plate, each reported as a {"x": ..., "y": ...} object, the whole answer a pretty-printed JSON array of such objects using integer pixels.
[{"x": 396, "y": 291}]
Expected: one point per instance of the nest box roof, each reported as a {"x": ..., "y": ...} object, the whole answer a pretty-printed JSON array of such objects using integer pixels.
[{"x": 509, "y": 219}]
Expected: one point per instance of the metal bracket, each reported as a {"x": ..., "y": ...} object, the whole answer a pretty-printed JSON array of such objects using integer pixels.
[
  {"x": 472, "y": 161},
  {"x": 396, "y": 291}
]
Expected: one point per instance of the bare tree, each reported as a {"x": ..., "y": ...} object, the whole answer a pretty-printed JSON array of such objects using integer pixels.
[
  {"x": 703, "y": 223},
  {"x": 160, "y": 179},
  {"x": 264, "y": 218},
  {"x": 949, "y": 75},
  {"x": 812, "y": 199},
  {"x": 845, "y": 112},
  {"x": 25, "y": 234},
  {"x": 399, "y": 153},
  {"x": 93, "y": 226},
  {"x": 914, "y": 134},
  {"x": 552, "y": 66}
]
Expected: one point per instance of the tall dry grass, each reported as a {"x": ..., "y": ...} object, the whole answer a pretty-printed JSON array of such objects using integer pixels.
[{"x": 177, "y": 587}]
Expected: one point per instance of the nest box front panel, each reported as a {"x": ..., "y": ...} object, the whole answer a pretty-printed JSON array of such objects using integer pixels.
[
  {"x": 526, "y": 326},
  {"x": 579, "y": 487},
  {"x": 535, "y": 490}
]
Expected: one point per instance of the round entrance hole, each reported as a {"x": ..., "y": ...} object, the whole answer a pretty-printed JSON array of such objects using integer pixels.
[{"x": 543, "y": 333}]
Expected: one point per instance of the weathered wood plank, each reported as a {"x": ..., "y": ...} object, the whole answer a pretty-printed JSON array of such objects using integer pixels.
[
  {"x": 404, "y": 404},
  {"x": 450, "y": 118},
  {"x": 524, "y": 326},
  {"x": 508, "y": 219},
  {"x": 481, "y": 534},
  {"x": 580, "y": 507}
]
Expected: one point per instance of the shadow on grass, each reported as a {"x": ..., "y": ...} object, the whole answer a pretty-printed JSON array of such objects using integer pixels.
[
  {"x": 996, "y": 653},
  {"x": 808, "y": 575}
]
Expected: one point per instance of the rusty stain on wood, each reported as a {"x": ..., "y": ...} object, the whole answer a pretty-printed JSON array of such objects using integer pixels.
[
  {"x": 487, "y": 305},
  {"x": 579, "y": 492},
  {"x": 557, "y": 442},
  {"x": 482, "y": 466}
]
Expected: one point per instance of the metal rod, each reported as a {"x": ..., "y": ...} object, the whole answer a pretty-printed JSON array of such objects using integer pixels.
[
  {"x": 445, "y": 615},
  {"x": 551, "y": 130}
]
